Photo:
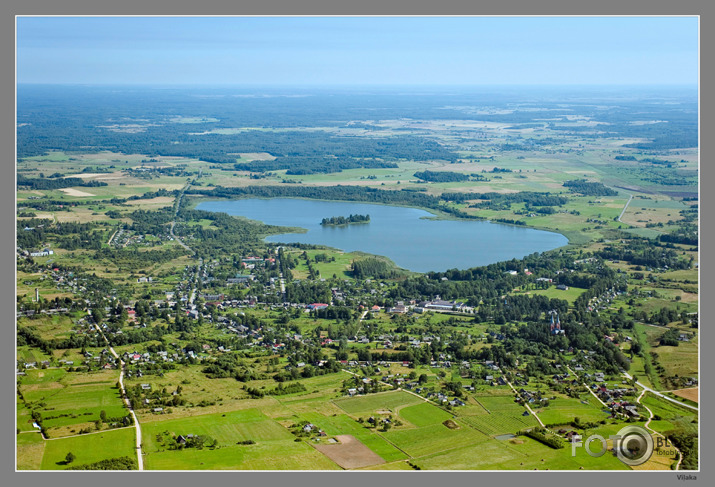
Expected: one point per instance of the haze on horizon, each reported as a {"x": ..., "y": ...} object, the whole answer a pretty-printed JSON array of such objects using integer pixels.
[{"x": 358, "y": 50}]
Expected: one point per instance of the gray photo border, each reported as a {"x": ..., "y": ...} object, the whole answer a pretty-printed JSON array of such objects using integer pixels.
[{"x": 11, "y": 8}]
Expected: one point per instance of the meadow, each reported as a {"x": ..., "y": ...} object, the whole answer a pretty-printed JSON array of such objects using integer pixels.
[{"x": 89, "y": 448}]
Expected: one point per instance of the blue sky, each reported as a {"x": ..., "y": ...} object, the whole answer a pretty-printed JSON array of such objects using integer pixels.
[{"x": 358, "y": 50}]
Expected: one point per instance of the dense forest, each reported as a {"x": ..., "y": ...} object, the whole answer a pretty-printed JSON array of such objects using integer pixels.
[{"x": 73, "y": 118}]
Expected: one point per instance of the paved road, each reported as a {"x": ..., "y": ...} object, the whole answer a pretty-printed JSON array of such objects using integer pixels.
[
  {"x": 625, "y": 207},
  {"x": 659, "y": 394}
]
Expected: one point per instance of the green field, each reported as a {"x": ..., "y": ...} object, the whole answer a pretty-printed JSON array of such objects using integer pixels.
[
  {"x": 342, "y": 424},
  {"x": 503, "y": 415},
  {"x": 518, "y": 454},
  {"x": 64, "y": 398},
  {"x": 275, "y": 448},
  {"x": 369, "y": 404},
  {"x": 89, "y": 448},
  {"x": 562, "y": 410},
  {"x": 569, "y": 294},
  {"x": 673, "y": 416},
  {"x": 424, "y": 414},
  {"x": 417, "y": 442}
]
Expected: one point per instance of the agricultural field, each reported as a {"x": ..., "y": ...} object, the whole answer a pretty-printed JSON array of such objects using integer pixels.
[
  {"x": 503, "y": 416},
  {"x": 418, "y": 442}
]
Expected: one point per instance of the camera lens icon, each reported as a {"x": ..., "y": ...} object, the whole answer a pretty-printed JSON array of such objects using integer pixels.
[{"x": 634, "y": 445}]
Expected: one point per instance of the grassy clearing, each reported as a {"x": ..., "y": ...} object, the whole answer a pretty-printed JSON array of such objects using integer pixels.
[
  {"x": 340, "y": 267},
  {"x": 644, "y": 334},
  {"x": 681, "y": 360},
  {"x": 569, "y": 294},
  {"x": 48, "y": 327},
  {"x": 497, "y": 423},
  {"x": 89, "y": 448}
]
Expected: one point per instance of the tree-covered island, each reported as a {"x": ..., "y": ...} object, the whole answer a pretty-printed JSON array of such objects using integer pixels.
[{"x": 342, "y": 220}]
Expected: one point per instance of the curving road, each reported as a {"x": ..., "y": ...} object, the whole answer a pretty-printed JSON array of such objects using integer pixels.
[
  {"x": 659, "y": 394},
  {"x": 680, "y": 455}
]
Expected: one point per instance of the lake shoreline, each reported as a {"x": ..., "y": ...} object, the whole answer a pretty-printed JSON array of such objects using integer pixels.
[
  {"x": 415, "y": 239},
  {"x": 436, "y": 214}
]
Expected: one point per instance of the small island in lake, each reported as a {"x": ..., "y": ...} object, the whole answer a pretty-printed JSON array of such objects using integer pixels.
[{"x": 343, "y": 220}]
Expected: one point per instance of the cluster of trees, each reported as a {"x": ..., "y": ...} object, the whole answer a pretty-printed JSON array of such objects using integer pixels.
[
  {"x": 665, "y": 176},
  {"x": 503, "y": 201},
  {"x": 230, "y": 365},
  {"x": 542, "y": 436},
  {"x": 587, "y": 188},
  {"x": 297, "y": 165},
  {"x": 59, "y": 183},
  {"x": 645, "y": 252},
  {"x": 686, "y": 234},
  {"x": 329, "y": 367},
  {"x": 308, "y": 292},
  {"x": 227, "y": 235},
  {"x": 339, "y": 193},
  {"x": 687, "y": 443},
  {"x": 120, "y": 463},
  {"x": 373, "y": 267},
  {"x": 334, "y": 313},
  {"x": 342, "y": 220},
  {"x": 441, "y": 176},
  {"x": 670, "y": 338},
  {"x": 68, "y": 235},
  {"x": 282, "y": 390}
]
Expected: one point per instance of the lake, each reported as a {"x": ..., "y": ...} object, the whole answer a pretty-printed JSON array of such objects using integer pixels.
[{"x": 412, "y": 238}]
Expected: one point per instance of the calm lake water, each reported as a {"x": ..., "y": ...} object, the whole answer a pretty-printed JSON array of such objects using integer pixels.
[{"x": 406, "y": 235}]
